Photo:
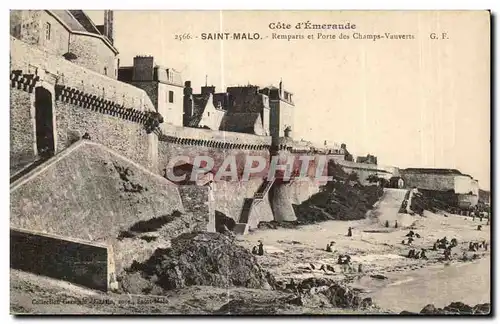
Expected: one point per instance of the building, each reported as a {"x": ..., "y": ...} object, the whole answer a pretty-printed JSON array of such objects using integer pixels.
[
  {"x": 204, "y": 110},
  {"x": 163, "y": 86},
  {"x": 244, "y": 109},
  {"x": 70, "y": 34},
  {"x": 370, "y": 159},
  {"x": 282, "y": 110},
  {"x": 463, "y": 186},
  {"x": 250, "y": 103}
]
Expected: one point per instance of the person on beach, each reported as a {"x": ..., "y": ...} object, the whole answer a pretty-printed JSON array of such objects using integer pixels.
[
  {"x": 261, "y": 248},
  {"x": 486, "y": 246},
  {"x": 411, "y": 253},
  {"x": 479, "y": 227},
  {"x": 328, "y": 248},
  {"x": 434, "y": 247},
  {"x": 453, "y": 242},
  {"x": 396, "y": 225},
  {"x": 473, "y": 216},
  {"x": 471, "y": 247},
  {"x": 386, "y": 223},
  {"x": 422, "y": 254},
  {"x": 410, "y": 240},
  {"x": 255, "y": 250},
  {"x": 349, "y": 231},
  {"x": 447, "y": 254},
  {"x": 360, "y": 268},
  {"x": 480, "y": 217},
  {"x": 292, "y": 286}
]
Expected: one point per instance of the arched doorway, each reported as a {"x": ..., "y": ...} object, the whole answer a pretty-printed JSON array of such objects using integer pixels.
[{"x": 44, "y": 123}]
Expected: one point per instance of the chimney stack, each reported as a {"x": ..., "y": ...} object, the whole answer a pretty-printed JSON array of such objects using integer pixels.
[
  {"x": 108, "y": 25},
  {"x": 208, "y": 90}
]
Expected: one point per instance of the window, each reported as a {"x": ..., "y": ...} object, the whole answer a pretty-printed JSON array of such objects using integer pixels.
[
  {"x": 47, "y": 31},
  {"x": 170, "y": 96}
]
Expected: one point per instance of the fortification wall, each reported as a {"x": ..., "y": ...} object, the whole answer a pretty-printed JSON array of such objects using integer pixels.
[
  {"x": 197, "y": 200},
  {"x": 64, "y": 259},
  {"x": 30, "y": 60},
  {"x": 300, "y": 191},
  {"x": 126, "y": 137},
  {"x": 467, "y": 201},
  {"x": 281, "y": 204},
  {"x": 219, "y": 136},
  {"x": 192, "y": 142},
  {"x": 89, "y": 192},
  {"x": 365, "y": 170},
  {"x": 229, "y": 197},
  {"x": 440, "y": 182},
  {"x": 466, "y": 185},
  {"x": 21, "y": 130},
  {"x": 112, "y": 112},
  {"x": 93, "y": 53}
]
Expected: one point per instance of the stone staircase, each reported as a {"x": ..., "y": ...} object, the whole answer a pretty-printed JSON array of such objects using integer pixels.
[
  {"x": 263, "y": 190},
  {"x": 242, "y": 226}
]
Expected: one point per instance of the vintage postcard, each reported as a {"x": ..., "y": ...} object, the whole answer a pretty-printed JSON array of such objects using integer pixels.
[{"x": 250, "y": 162}]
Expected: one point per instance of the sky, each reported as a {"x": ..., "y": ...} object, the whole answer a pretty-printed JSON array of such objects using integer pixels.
[{"x": 412, "y": 103}]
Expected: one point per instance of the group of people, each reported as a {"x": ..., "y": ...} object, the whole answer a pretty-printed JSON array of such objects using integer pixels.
[
  {"x": 395, "y": 224},
  {"x": 258, "y": 249},
  {"x": 444, "y": 244},
  {"x": 329, "y": 246},
  {"x": 413, "y": 254},
  {"x": 476, "y": 246},
  {"x": 344, "y": 259},
  {"x": 411, "y": 235}
]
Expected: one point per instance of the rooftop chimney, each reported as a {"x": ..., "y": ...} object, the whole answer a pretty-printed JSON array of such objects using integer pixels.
[{"x": 208, "y": 90}]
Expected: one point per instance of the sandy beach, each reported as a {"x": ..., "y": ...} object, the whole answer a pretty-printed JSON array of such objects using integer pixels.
[
  {"x": 299, "y": 253},
  {"x": 292, "y": 253}
]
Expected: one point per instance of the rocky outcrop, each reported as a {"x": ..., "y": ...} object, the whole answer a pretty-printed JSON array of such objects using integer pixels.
[
  {"x": 455, "y": 308},
  {"x": 338, "y": 200},
  {"x": 312, "y": 290},
  {"x": 201, "y": 258}
]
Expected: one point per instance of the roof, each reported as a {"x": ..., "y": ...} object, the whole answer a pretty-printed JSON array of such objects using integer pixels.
[
  {"x": 69, "y": 20},
  {"x": 74, "y": 25},
  {"x": 199, "y": 103},
  {"x": 432, "y": 170},
  {"x": 85, "y": 21},
  {"x": 222, "y": 98},
  {"x": 243, "y": 123}
]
